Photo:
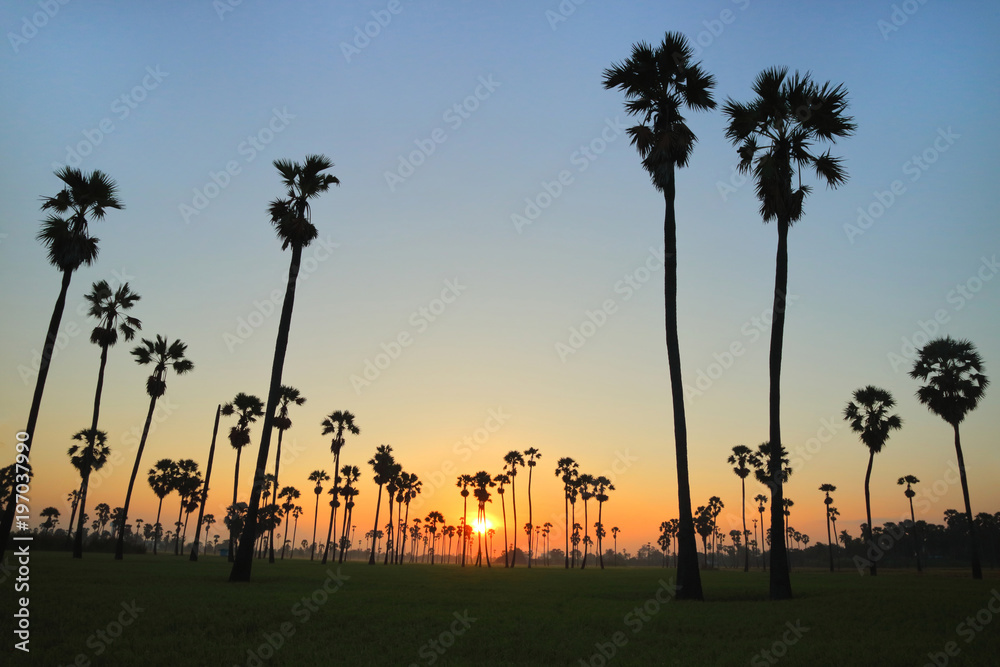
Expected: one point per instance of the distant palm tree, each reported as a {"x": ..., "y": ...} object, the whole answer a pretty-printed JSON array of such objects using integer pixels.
[
  {"x": 51, "y": 515},
  {"x": 761, "y": 500},
  {"x": 584, "y": 483},
  {"x": 410, "y": 487},
  {"x": 162, "y": 355},
  {"x": 463, "y": 483},
  {"x": 296, "y": 513},
  {"x": 162, "y": 478},
  {"x": 658, "y": 83},
  {"x": 614, "y": 534},
  {"x": 287, "y": 396},
  {"x": 351, "y": 476},
  {"x": 382, "y": 465},
  {"x": 391, "y": 488},
  {"x": 70, "y": 246},
  {"x": 483, "y": 483},
  {"x": 501, "y": 479},
  {"x": 247, "y": 407},
  {"x": 433, "y": 519},
  {"x": 789, "y": 504},
  {"x": 954, "y": 382},
  {"x": 601, "y": 487},
  {"x": 740, "y": 459},
  {"x": 533, "y": 455},
  {"x": 73, "y": 498},
  {"x": 86, "y": 459},
  {"x": 566, "y": 470},
  {"x": 317, "y": 476},
  {"x": 291, "y": 494},
  {"x": 868, "y": 415},
  {"x": 834, "y": 513},
  {"x": 512, "y": 461},
  {"x": 103, "y": 513},
  {"x": 187, "y": 483},
  {"x": 291, "y": 218},
  {"x": 337, "y": 423},
  {"x": 828, "y": 501},
  {"x": 775, "y": 134},
  {"x": 909, "y": 480}
]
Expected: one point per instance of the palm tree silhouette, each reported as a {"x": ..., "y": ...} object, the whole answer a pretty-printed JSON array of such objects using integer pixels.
[
  {"x": 433, "y": 519},
  {"x": 658, "y": 83},
  {"x": 187, "y": 481},
  {"x": 775, "y": 133},
  {"x": 834, "y": 513},
  {"x": 411, "y": 487},
  {"x": 336, "y": 423},
  {"x": 463, "y": 483},
  {"x": 297, "y": 511},
  {"x": 566, "y": 470},
  {"x": 584, "y": 484},
  {"x": 291, "y": 494},
  {"x": 828, "y": 501},
  {"x": 483, "y": 482},
  {"x": 317, "y": 476},
  {"x": 162, "y": 478},
  {"x": 501, "y": 479},
  {"x": 391, "y": 489},
  {"x": 601, "y": 487},
  {"x": 909, "y": 480},
  {"x": 761, "y": 500},
  {"x": 248, "y": 407},
  {"x": 952, "y": 373},
  {"x": 86, "y": 459},
  {"x": 351, "y": 476},
  {"x": 163, "y": 356},
  {"x": 740, "y": 458},
  {"x": 286, "y": 396},
  {"x": 512, "y": 460},
  {"x": 868, "y": 416},
  {"x": 70, "y": 246},
  {"x": 789, "y": 504},
  {"x": 291, "y": 219},
  {"x": 533, "y": 455},
  {"x": 51, "y": 516},
  {"x": 614, "y": 534},
  {"x": 204, "y": 490},
  {"x": 382, "y": 465}
]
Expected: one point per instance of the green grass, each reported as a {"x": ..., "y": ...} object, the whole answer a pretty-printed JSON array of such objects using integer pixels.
[{"x": 387, "y": 615}]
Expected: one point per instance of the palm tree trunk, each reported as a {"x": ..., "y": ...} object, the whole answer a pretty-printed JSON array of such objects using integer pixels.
[
  {"x": 780, "y": 580},
  {"x": 295, "y": 532},
  {"x": 177, "y": 537},
  {"x": 872, "y": 569},
  {"x": 530, "y": 469},
  {"x": 688, "y": 577},
  {"x": 513, "y": 502},
  {"x": 389, "y": 541},
  {"x": 157, "y": 527},
  {"x": 236, "y": 484},
  {"x": 378, "y": 505},
  {"x": 746, "y": 546},
  {"x": 465, "y": 518},
  {"x": 78, "y": 538},
  {"x": 330, "y": 534},
  {"x": 343, "y": 530},
  {"x": 244, "y": 559},
  {"x": 36, "y": 398},
  {"x": 977, "y": 568},
  {"x": 829, "y": 541},
  {"x": 204, "y": 493},
  {"x": 916, "y": 537},
  {"x": 72, "y": 516},
  {"x": 277, "y": 489},
  {"x": 120, "y": 544},
  {"x": 92, "y": 440},
  {"x": 566, "y": 521},
  {"x": 600, "y": 553},
  {"x": 503, "y": 508},
  {"x": 406, "y": 521},
  {"x": 312, "y": 556},
  {"x": 586, "y": 533}
]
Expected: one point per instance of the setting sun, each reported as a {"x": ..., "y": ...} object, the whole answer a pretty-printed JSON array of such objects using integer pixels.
[{"x": 481, "y": 526}]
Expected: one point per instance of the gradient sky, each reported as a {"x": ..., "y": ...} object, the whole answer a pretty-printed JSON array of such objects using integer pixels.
[{"x": 165, "y": 97}]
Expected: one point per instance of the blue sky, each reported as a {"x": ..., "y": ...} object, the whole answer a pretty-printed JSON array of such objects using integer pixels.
[{"x": 207, "y": 92}]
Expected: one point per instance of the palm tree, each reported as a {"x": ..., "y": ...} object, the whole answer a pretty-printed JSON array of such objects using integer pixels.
[
  {"x": 317, "y": 476},
  {"x": 761, "y": 500},
  {"x": 601, "y": 487},
  {"x": 208, "y": 519},
  {"x": 103, "y": 513},
  {"x": 463, "y": 483},
  {"x": 789, "y": 504},
  {"x": 501, "y": 479},
  {"x": 483, "y": 482},
  {"x": 584, "y": 483},
  {"x": 351, "y": 476},
  {"x": 410, "y": 487},
  {"x": 382, "y": 466},
  {"x": 70, "y": 246},
  {"x": 828, "y": 501},
  {"x": 433, "y": 519},
  {"x": 187, "y": 483},
  {"x": 391, "y": 488},
  {"x": 204, "y": 490},
  {"x": 247, "y": 407},
  {"x": 162, "y": 355},
  {"x": 512, "y": 460},
  {"x": 909, "y": 480},
  {"x": 337, "y": 423},
  {"x": 287, "y": 396},
  {"x": 533, "y": 455},
  {"x": 291, "y": 218},
  {"x": 868, "y": 415},
  {"x": 162, "y": 478},
  {"x": 658, "y": 83},
  {"x": 296, "y": 513},
  {"x": 86, "y": 459},
  {"x": 740, "y": 458},
  {"x": 73, "y": 498},
  {"x": 834, "y": 513},
  {"x": 292, "y": 494},
  {"x": 775, "y": 133},
  {"x": 51, "y": 515},
  {"x": 566, "y": 470},
  {"x": 614, "y": 533},
  {"x": 952, "y": 373}
]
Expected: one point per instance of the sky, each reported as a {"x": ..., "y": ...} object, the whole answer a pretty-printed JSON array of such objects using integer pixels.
[{"x": 486, "y": 275}]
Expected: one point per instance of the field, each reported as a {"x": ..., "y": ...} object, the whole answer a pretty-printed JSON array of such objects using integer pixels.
[{"x": 168, "y": 611}]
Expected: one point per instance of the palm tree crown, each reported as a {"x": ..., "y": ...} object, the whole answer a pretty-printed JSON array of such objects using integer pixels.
[
  {"x": 868, "y": 416},
  {"x": 952, "y": 371},
  {"x": 291, "y": 215},
  {"x": 67, "y": 239}
]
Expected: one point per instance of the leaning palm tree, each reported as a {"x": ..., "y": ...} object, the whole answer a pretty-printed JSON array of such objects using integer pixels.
[
  {"x": 382, "y": 465},
  {"x": 337, "y": 423},
  {"x": 868, "y": 415},
  {"x": 317, "y": 476},
  {"x": 658, "y": 83},
  {"x": 910, "y": 480},
  {"x": 828, "y": 501},
  {"x": 86, "y": 459},
  {"x": 204, "y": 491},
  {"x": 775, "y": 134},
  {"x": 69, "y": 244},
  {"x": 740, "y": 459},
  {"x": 291, "y": 217},
  {"x": 289, "y": 396},
  {"x": 247, "y": 407},
  {"x": 952, "y": 373},
  {"x": 533, "y": 455},
  {"x": 566, "y": 470},
  {"x": 163, "y": 356}
]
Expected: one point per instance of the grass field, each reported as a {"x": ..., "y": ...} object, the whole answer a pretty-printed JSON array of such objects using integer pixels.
[{"x": 168, "y": 611}]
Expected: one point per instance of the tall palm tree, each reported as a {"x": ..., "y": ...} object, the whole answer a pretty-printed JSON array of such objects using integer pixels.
[
  {"x": 512, "y": 460},
  {"x": 501, "y": 479},
  {"x": 317, "y": 476},
  {"x": 162, "y": 478},
  {"x": 584, "y": 483},
  {"x": 382, "y": 466},
  {"x": 73, "y": 498},
  {"x": 761, "y": 500},
  {"x": 910, "y": 480},
  {"x": 463, "y": 483},
  {"x": 740, "y": 459},
  {"x": 410, "y": 487},
  {"x": 834, "y": 513},
  {"x": 247, "y": 407},
  {"x": 601, "y": 487},
  {"x": 163, "y": 356},
  {"x": 187, "y": 483},
  {"x": 69, "y": 244},
  {"x": 828, "y": 501},
  {"x": 566, "y": 470},
  {"x": 391, "y": 488},
  {"x": 433, "y": 519},
  {"x": 351, "y": 476},
  {"x": 658, "y": 83},
  {"x": 337, "y": 423},
  {"x": 483, "y": 482},
  {"x": 614, "y": 534},
  {"x": 86, "y": 459},
  {"x": 533, "y": 455},
  {"x": 868, "y": 416},
  {"x": 291, "y": 494},
  {"x": 775, "y": 134},
  {"x": 204, "y": 491},
  {"x": 287, "y": 396},
  {"x": 291, "y": 217},
  {"x": 952, "y": 373}
]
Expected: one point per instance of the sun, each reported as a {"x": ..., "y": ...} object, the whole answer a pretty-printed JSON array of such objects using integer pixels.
[{"x": 481, "y": 526}]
